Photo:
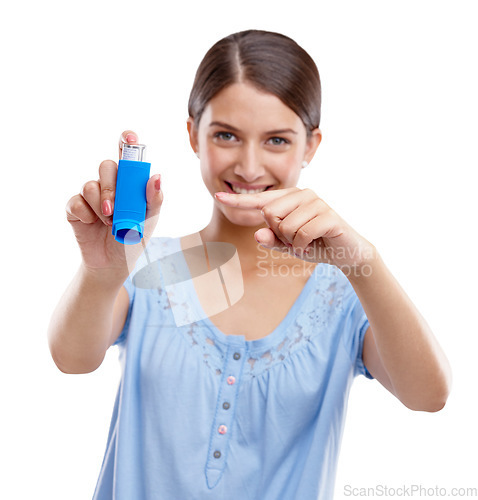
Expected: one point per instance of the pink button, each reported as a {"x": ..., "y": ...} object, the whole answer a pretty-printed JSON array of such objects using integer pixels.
[
  {"x": 222, "y": 429},
  {"x": 231, "y": 380}
]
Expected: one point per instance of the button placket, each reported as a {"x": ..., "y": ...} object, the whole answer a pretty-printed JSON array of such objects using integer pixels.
[{"x": 223, "y": 420}]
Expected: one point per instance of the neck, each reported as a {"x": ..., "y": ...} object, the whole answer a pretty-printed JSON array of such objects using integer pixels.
[{"x": 242, "y": 237}]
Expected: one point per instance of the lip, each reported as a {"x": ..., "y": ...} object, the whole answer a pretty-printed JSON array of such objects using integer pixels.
[{"x": 246, "y": 186}]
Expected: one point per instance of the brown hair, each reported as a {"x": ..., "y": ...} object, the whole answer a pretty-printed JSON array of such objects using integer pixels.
[{"x": 270, "y": 61}]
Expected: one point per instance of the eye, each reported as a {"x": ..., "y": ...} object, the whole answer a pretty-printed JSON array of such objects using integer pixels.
[
  {"x": 277, "y": 141},
  {"x": 225, "y": 136}
]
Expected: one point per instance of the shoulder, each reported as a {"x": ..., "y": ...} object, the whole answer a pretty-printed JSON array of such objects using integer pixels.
[
  {"x": 156, "y": 248},
  {"x": 144, "y": 271}
]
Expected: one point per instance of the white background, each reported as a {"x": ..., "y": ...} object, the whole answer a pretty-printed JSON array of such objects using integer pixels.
[{"x": 397, "y": 161}]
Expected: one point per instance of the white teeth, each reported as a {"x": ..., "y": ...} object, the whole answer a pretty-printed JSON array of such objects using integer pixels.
[{"x": 247, "y": 191}]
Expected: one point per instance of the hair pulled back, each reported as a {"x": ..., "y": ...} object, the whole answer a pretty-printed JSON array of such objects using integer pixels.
[{"x": 270, "y": 61}]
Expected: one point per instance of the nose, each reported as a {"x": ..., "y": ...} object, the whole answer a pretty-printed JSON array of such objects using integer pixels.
[{"x": 249, "y": 163}]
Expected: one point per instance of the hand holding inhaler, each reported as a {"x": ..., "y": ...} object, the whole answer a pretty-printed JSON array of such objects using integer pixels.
[{"x": 90, "y": 214}]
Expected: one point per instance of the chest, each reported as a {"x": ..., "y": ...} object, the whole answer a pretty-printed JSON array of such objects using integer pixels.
[{"x": 265, "y": 302}]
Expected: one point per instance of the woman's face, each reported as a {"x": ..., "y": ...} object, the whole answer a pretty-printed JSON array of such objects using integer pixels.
[{"x": 250, "y": 141}]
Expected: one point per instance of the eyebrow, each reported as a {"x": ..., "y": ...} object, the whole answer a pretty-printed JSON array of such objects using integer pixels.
[{"x": 270, "y": 132}]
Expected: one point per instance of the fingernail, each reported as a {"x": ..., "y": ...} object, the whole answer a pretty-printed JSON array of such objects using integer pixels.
[
  {"x": 221, "y": 195},
  {"x": 157, "y": 183},
  {"x": 107, "y": 207},
  {"x": 130, "y": 138}
]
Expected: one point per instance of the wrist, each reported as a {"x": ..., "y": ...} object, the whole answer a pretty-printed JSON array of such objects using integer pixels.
[
  {"x": 104, "y": 278},
  {"x": 368, "y": 266},
  {"x": 365, "y": 264}
]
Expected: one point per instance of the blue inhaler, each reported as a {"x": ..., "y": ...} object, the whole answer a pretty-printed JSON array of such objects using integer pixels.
[{"x": 130, "y": 198}]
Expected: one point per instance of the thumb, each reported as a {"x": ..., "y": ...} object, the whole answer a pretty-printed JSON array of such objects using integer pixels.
[{"x": 127, "y": 137}]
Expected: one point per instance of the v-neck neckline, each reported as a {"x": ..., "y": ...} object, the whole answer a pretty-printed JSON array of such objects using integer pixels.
[{"x": 272, "y": 338}]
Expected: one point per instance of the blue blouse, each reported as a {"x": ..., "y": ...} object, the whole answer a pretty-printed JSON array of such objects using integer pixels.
[{"x": 204, "y": 415}]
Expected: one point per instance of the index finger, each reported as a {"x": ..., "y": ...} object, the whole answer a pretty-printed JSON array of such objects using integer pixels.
[
  {"x": 253, "y": 200},
  {"x": 127, "y": 137}
]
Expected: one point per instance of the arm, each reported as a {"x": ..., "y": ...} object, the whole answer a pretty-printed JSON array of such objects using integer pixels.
[
  {"x": 400, "y": 350},
  {"x": 87, "y": 321},
  {"x": 93, "y": 310}
]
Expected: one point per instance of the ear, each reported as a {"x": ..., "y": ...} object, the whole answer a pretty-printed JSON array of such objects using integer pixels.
[
  {"x": 193, "y": 134},
  {"x": 312, "y": 144}
]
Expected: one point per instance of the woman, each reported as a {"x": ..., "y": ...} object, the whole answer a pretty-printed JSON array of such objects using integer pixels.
[{"x": 247, "y": 402}]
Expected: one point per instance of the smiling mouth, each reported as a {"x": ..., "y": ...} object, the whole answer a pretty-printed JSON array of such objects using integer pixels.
[{"x": 239, "y": 190}]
